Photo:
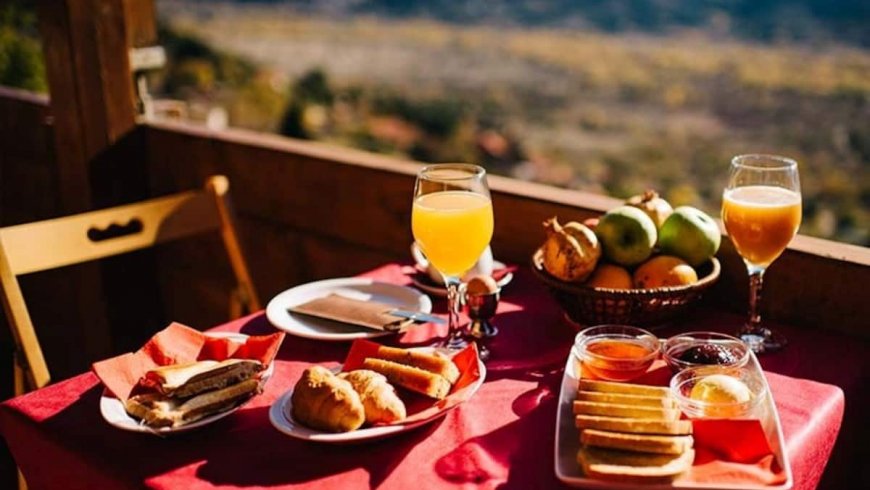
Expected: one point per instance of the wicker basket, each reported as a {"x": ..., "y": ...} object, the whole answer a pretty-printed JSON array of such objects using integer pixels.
[{"x": 586, "y": 305}]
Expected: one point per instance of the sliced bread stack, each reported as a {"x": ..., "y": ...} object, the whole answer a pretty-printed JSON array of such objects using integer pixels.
[{"x": 631, "y": 432}]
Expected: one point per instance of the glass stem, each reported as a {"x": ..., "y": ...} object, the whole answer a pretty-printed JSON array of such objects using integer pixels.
[
  {"x": 453, "y": 306},
  {"x": 756, "y": 276}
]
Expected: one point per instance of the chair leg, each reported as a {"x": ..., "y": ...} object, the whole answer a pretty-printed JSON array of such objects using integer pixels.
[
  {"x": 20, "y": 381},
  {"x": 20, "y": 385},
  {"x": 22, "y": 485},
  {"x": 236, "y": 304}
]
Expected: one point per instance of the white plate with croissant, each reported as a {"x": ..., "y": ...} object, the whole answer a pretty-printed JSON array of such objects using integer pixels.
[{"x": 360, "y": 405}]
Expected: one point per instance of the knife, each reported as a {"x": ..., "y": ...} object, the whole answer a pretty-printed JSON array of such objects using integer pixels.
[{"x": 417, "y": 316}]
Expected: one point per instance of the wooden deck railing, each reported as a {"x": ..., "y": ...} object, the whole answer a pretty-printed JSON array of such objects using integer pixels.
[{"x": 311, "y": 211}]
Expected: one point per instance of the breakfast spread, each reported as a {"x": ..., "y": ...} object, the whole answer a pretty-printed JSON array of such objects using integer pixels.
[
  {"x": 178, "y": 394},
  {"x": 631, "y": 432},
  {"x": 344, "y": 402}
]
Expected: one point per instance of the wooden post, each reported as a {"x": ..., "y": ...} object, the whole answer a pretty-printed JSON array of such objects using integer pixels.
[{"x": 86, "y": 47}]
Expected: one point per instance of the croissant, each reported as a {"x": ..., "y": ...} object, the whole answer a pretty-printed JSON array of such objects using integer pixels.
[
  {"x": 378, "y": 396},
  {"x": 322, "y": 400}
]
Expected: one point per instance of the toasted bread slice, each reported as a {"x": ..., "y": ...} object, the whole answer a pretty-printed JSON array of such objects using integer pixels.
[
  {"x": 609, "y": 464},
  {"x": 409, "y": 377},
  {"x": 434, "y": 362},
  {"x": 634, "y": 425},
  {"x": 158, "y": 410},
  {"x": 625, "y": 388},
  {"x": 614, "y": 410},
  {"x": 636, "y": 442},
  {"x": 625, "y": 399}
]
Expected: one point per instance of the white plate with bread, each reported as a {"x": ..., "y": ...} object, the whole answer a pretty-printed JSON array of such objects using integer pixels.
[
  {"x": 277, "y": 311},
  {"x": 412, "y": 369},
  {"x": 633, "y": 437},
  {"x": 205, "y": 407}
]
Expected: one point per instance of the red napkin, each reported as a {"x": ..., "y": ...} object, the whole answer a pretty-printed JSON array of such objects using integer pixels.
[
  {"x": 420, "y": 407},
  {"x": 733, "y": 451},
  {"x": 176, "y": 344}
]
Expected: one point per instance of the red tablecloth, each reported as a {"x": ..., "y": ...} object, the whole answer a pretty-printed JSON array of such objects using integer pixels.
[{"x": 503, "y": 436}]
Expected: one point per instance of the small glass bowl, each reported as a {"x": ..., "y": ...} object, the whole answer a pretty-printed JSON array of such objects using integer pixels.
[
  {"x": 675, "y": 346},
  {"x": 683, "y": 383},
  {"x": 615, "y": 352}
]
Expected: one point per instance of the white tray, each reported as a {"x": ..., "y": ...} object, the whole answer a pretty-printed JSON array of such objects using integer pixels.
[{"x": 568, "y": 443}]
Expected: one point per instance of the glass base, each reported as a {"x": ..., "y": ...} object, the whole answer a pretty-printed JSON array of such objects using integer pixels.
[
  {"x": 764, "y": 340},
  {"x": 454, "y": 344}
]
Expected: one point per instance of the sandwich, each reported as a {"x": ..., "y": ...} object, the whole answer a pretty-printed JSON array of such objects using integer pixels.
[{"x": 175, "y": 395}]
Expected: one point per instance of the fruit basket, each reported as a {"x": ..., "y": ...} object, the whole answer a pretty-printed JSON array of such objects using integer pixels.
[{"x": 587, "y": 305}]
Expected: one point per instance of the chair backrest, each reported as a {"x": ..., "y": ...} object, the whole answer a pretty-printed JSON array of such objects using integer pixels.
[{"x": 49, "y": 244}]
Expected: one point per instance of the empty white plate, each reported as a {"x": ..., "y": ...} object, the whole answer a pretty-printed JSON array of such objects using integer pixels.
[{"x": 352, "y": 287}]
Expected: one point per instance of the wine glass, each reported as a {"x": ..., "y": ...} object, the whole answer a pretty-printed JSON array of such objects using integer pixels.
[
  {"x": 452, "y": 223},
  {"x": 761, "y": 209}
]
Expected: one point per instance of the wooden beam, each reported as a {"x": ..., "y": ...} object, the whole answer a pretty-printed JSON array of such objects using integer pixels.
[{"x": 86, "y": 47}]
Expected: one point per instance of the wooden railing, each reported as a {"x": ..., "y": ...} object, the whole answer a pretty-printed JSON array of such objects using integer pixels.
[{"x": 311, "y": 211}]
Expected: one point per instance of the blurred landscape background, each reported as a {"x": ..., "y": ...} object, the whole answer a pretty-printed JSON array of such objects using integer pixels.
[{"x": 608, "y": 96}]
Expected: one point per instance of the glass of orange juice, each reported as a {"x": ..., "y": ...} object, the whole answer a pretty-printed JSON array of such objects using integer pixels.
[
  {"x": 452, "y": 223},
  {"x": 761, "y": 209}
]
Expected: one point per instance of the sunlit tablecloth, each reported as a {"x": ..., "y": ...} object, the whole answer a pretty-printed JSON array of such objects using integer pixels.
[{"x": 503, "y": 436}]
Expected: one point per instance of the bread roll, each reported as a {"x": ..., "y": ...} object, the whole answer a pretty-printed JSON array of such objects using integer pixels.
[
  {"x": 322, "y": 400},
  {"x": 433, "y": 362},
  {"x": 409, "y": 377},
  {"x": 378, "y": 397}
]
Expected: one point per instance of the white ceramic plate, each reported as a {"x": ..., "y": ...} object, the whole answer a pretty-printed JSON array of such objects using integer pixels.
[
  {"x": 424, "y": 283},
  {"x": 114, "y": 413},
  {"x": 568, "y": 443},
  {"x": 355, "y": 288},
  {"x": 280, "y": 414}
]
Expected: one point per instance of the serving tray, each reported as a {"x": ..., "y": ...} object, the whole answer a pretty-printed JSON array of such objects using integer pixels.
[{"x": 568, "y": 443}]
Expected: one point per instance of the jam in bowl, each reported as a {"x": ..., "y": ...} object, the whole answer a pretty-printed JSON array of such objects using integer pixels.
[
  {"x": 695, "y": 349},
  {"x": 615, "y": 352}
]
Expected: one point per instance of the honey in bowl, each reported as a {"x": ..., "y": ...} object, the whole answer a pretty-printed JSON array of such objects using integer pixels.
[
  {"x": 617, "y": 359},
  {"x": 615, "y": 352}
]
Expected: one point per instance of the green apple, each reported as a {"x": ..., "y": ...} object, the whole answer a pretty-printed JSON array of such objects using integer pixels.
[
  {"x": 627, "y": 235},
  {"x": 690, "y": 234}
]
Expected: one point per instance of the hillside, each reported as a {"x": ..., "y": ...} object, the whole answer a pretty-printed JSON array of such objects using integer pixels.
[
  {"x": 602, "y": 112},
  {"x": 765, "y": 20}
]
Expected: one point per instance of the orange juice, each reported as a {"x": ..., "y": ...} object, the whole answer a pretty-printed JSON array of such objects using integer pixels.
[
  {"x": 761, "y": 220},
  {"x": 453, "y": 228}
]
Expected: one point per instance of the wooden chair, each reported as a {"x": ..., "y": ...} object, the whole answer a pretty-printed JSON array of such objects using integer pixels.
[{"x": 54, "y": 243}]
